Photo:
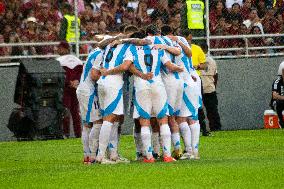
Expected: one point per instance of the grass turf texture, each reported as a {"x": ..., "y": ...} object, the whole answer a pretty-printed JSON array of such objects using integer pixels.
[{"x": 231, "y": 159}]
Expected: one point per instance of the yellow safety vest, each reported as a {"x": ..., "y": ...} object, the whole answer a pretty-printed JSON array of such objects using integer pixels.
[
  {"x": 195, "y": 11},
  {"x": 71, "y": 25}
]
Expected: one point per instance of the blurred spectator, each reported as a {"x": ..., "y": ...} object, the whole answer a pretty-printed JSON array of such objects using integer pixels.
[
  {"x": 256, "y": 42},
  {"x": 97, "y": 5},
  {"x": 73, "y": 69},
  {"x": 45, "y": 14},
  {"x": 221, "y": 29},
  {"x": 4, "y": 51},
  {"x": 45, "y": 36},
  {"x": 81, "y": 5},
  {"x": 235, "y": 13},
  {"x": 15, "y": 50},
  {"x": 143, "y": 18},
  {"x": 28, "y": 50},
  {"x": 31, "y": 31},
  {"x": 133, "y": 4},
  {"x": 103, "y": 27},
  {"x": 229, "y": 3},
  {"x": 244, "y": 30},
  {"x": 68, "y": 24},
  {"x": 106, "y": 17},
  {"x": 270, "y": 23},
  {"x": 129, "y": 16},
  {"x": 174, "y": 22},
  {"x": 253, "y": 20},
  {"x": 193, "y": 17},
  {"x": 234, "y": 30},
  {"x": 261, "y": 8},
  {"x": 88, "y": 15},
  {"x": 2, "y": 8},
  {"x": 217, "y": 11},
  {"x": 152, "y": 3},
  {"x": 176, "y": 7},
  {"x": 161, "y": 11},
  {"x": 245, "y": 10}
]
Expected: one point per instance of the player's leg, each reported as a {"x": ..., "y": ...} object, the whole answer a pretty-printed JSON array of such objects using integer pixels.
[
  {"x": 189, "y": 107},
  {"x": 155, "y": 137},
  {"x": 112, "y": 105},
  {"x": 137, "y": 139},
  {"x": 175, "y": 136},
  {"x": 195, "y": 135},
  {"x": 142, "y": 109},
  {"x": 146, "y": 140},
  {"x": 87, "y": 125},
  {"x": 175, "y": 98},
  {"x": 186, "y": 135},
  {"x": 93, "y": 115},
  {"x": 160, "y": 109},
  {"x": 85, "y": 141},
  {"x": 94, "y": 139}
]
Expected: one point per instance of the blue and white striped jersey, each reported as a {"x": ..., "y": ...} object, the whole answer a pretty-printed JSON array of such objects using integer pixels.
[
  {"x": 94, "y": 59},
  {"x": 166, "y": 74},
  {"x": 183, "y": 60},
  {"x": 113, "y": 57},
  {"x": 147, "y": 59}
]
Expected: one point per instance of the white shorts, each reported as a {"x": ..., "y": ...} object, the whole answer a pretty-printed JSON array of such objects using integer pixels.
[
  {"x": 174, "y": 94},
  {"x": 150, "y": 103},
  {"x": 191, "y": 100},
  {"x": 111, "y": 100},
  {"x": 198, "y": 82},
  {"x": 89, "y": 107}
]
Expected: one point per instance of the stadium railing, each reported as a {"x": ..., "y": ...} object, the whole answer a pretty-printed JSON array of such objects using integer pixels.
[{"x": 246, "y": 48}]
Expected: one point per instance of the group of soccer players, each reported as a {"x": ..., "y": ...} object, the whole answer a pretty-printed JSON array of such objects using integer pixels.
[{"x": 164, "y": 101}]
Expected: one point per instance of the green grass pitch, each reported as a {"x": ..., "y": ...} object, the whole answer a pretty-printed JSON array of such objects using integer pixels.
[{"x": 229, "y": 159}]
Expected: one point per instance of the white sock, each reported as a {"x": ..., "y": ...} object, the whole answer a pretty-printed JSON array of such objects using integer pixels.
[
  {"x": 176, "y": 140},
  {"x": 195, "y": 134},
  {"x": 94, "y": 139},
  {"x": 85, "y": 140},
  {"x": 166, "y": 139},
  {"x": 113, "y": 141},
  {"x": 186, "y": 135},
  {"x": 138, "y": 142},
  {"x": 104, "y": 139},
  {"x": 156, "y": 142},
  {"x": 146, "y": 141}
]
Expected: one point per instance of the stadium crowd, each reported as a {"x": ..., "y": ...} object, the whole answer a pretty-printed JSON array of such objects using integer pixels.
[{"x": 39, "y": 21}]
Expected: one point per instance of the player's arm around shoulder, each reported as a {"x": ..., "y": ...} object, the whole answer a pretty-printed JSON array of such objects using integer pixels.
[{"x": 172, "y": 67}]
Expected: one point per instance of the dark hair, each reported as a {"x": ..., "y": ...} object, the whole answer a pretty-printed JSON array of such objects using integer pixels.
[
  {"x": 166, "y": 30},
  {"x": 152, "y": 29},
  {"x": 236, "y": 4},
  {"x": 90, "y": 5},
  {"x": 139, "y": 34},
  {"x": 204, "y": 47},
  {"x": 64, "y": 44},
  {"x": 67, "y": 6},
  {"x": 252, "y": 29},
  {"x": 121, "y": 28},
  {"x": 130, "y": 28},
  {"x": 185, "y": 33}
]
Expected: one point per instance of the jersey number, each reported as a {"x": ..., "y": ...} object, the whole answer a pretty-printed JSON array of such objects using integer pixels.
[
  {"x": 148, "y": 59},
  {"x": 109, "y": 55}
]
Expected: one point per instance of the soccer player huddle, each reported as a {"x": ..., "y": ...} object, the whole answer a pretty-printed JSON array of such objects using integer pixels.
[{"x": 163, "y": 102}]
